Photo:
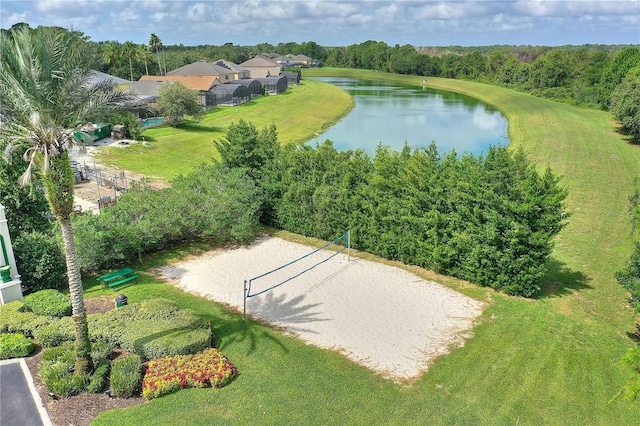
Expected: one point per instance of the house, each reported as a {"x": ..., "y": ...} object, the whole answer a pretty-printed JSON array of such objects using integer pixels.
[
  {"x": 204, "y": 68},
  {"x": 239, "y": 72},
  {"x": 201, "y": 83},
  {"x": 260, "y": 66},
  {"x": 146, "y": 91},
  {"x": 285, "y": 61},
  {"x": 274, "y": 85},
  {"x": 96, "y": 77}
]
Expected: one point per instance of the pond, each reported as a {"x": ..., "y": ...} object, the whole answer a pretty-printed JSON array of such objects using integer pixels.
[{"x": 392, "y": 114}]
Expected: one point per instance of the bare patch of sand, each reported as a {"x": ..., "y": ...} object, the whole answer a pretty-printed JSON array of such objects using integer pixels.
[{"x": 379, "y": 316}]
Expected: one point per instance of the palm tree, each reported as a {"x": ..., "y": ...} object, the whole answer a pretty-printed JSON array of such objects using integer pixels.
[
  {"x": 144, "y": 55},
  {"x": 130, "y": 50},
  {"x": 45, "y": 90},
  {"x": 110, "y": 54},
  {"x": 155, "y": 44}
]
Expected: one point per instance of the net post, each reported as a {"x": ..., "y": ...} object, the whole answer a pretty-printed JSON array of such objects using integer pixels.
[
  {"x": 244, "y": 300},
  {"x": 348, "y": 246}
]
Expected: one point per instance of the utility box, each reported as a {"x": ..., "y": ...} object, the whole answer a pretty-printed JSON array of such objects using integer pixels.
[{"x": 121, "y": 300}]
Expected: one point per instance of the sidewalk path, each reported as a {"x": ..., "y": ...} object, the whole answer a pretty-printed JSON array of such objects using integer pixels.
[{"x": 20, "y": 403}]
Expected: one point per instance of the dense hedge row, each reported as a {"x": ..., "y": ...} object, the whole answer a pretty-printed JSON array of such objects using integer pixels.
[
  {"x": 488, "y": 219},
  {"x": 212, "y": 202}
]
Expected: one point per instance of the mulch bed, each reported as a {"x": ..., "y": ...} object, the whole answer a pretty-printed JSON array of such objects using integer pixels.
[{"x": 78, "y": 410}]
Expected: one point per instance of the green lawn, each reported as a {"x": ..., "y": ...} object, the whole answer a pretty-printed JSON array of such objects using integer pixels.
[
  {"x": 549, "y": 361},
  {"x": 173, "y": 151}
]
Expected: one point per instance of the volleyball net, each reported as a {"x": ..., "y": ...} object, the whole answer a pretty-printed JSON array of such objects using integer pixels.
[{"x": 289, "y": 271}]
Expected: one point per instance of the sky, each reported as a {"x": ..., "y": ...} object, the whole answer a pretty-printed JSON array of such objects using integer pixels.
[{"x": 338, "y": 23}]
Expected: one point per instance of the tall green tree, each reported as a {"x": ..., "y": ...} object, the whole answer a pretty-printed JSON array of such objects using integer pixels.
[
  {"x": 155, "y": 44},
  {"x": 25, "y": 207},
  {"x": 130, "y": 51},
  {"x": 175, "y": 100},
  {"x": 625, "y": 103},
  {"x": 111, "y": 54},
  {"x": 144, "y": 55},
  {"x": 45, "y": 90},
  {"x": 258, "y": 152}
]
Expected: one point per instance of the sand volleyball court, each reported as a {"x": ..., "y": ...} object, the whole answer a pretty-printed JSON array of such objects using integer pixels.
[{"x": 382, "y": 317}]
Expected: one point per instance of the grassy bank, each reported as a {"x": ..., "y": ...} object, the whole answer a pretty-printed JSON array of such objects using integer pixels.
[
  {"x": 299, "y": 114},
  {"x": 551, "y": 360}
]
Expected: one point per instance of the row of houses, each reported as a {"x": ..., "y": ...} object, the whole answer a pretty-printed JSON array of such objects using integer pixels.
[{"x": 220, "y": 82}]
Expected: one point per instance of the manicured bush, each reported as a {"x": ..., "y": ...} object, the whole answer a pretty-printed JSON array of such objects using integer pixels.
[
  {"x": 162, "y": 334},
  {"x": 100, "y": 377},
  {"x": 56, "y": 333},
  {"x": 180, "y": 342},
  {"x": 14, "y": 345},
  {"x": 169, "y": 374},
  {"x": 152, "y": 328},
  {"x": 56, "y": 370},
  {"x": 48, "y": 302},
  {"x": 126, "y": 377},
  {"x": 41, "y": 262},
  {"x": 109, "y": 326},
  {"x": 13, "y": 319},
  {"x": 156, "y": 309}
]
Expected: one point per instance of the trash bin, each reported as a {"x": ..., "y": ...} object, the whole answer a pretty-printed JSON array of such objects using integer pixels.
[{"x": 121, "y": 300}]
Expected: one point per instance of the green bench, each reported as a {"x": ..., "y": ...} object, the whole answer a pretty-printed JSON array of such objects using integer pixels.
[{"x": 117, "y": 278}]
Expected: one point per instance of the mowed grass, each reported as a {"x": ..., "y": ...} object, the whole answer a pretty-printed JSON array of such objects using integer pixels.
[
  {"x": 552, "y": 360},
  {"x": 299, "y": 114}
]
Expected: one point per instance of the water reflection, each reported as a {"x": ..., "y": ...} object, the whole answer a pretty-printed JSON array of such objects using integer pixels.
[{"x": 392, "y": 114}]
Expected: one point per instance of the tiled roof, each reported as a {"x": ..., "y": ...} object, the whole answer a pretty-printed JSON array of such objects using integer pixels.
[
  {"x": 260, "y": 61},
  {"x": 196, "y": 82},
  {"x": 230, "y": 65},
  {"x": 200, "y": 68},
  {"x": 97, "y": 76}
]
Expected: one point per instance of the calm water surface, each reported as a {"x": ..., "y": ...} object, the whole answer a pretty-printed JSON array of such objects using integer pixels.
[{"x": 393, "y": 114}]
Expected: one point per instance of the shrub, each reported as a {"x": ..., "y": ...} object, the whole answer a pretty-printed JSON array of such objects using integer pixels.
[
  {"x": 180, "y": 342},
  {"x": 48, "y": 302},
  {"x": 58, "y": 332},
  {"x": 100, "y": 376},
  {"x": 169, "y": 374},
  {"x": 56, "y": 370},
  {"x": 101, "y": 352},
  {"x": 14, "y": 346},
  {"x": 153, "y": 328},
  {"x": 13, "y": 319},
  {"x": 157, "y": 309},
  {"x": 126, "y": 376},
  {"x": 109, "y": 326},
  {"x": 41, "y": 262}
]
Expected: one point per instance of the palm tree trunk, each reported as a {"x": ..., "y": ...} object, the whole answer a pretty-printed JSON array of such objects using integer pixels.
[
  {"x": 84, "y": 363},
  {"x": 59, "y": 183},
  {"x": 159, "y": 64},
  {"x": 131, "y": 68}
]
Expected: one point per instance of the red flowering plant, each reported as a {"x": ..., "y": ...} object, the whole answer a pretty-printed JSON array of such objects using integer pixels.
[{"x": 169, "y": 374}]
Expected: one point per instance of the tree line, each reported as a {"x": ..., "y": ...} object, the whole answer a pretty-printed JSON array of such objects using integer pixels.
[
  {"x": 595, "y": 76},
  {"x": 489, "y": 219}
]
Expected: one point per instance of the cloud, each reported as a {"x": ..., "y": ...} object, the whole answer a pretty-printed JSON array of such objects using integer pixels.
[{"x": 338, "y": 22}]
